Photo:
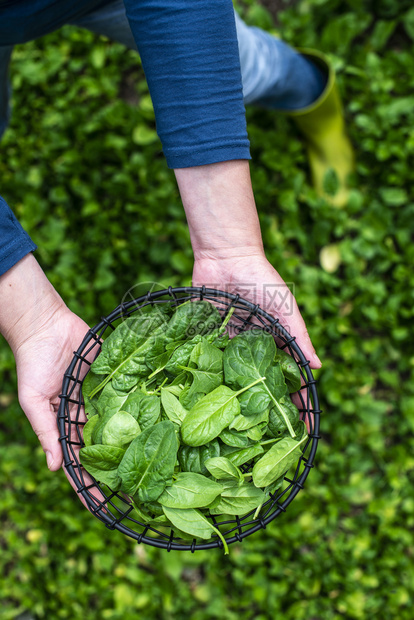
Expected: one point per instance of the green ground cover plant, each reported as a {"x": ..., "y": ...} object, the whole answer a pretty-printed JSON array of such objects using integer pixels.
[{"x": 83, "y": 169}]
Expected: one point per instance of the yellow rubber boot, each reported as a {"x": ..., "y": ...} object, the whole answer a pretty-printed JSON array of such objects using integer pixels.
[{"x": 329, "y": 148}]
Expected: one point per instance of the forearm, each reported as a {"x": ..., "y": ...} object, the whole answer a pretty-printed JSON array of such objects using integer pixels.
[
  {"x": 27, "y": 301},
  {"x": 220, "y": 208}
]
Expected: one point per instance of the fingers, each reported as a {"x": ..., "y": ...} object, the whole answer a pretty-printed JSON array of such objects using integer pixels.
[
  {"x": 296, "y": 326},
  {"x": 282, "y": 305},
  {"x": 42, "y": 417}
]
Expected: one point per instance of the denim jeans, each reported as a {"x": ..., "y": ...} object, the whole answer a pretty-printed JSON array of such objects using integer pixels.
[{"x": 273, "y": 74}]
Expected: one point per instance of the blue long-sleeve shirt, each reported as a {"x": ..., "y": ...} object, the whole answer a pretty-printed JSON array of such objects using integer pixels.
[{"x": 190, "y": 57}]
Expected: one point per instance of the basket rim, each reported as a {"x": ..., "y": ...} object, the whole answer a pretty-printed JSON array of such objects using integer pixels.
[{"x": 97, "y": 507}]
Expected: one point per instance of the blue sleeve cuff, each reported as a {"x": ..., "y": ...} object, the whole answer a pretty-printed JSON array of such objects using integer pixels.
[
  {"x": 188, "y": 157},
  {"x": 15, "y": 243}
]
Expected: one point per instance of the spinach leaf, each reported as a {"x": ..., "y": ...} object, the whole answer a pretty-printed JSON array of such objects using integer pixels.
[
  {"x": 88, "y": 429},
  {"x": 272, "y": 488},
  {"x": 174, "y": 389},
  {"x": 192, "y": 521},
  {"x": 146, "y": 513},
  {"x": 247, "y": 357},
  {"x": 191, "y": 318},
  {"x": 181, "y": 356},
  {"x": 301, "y": 430},
  {"x": 256, "y": 432},
  {"x": 268, "y": 491},
  {"x": 221, "y": 341},
  {"x": 90, "y": 382},
  {"x": 221, "y": 468},
  {"x": 277, "y": 424},
  {"x": 203, "y": 381},
  {"x": 250, "y": 355},
  {"x": 206, "y": 357},
  {"x": 190, "y": 491},
  {"x": 127, "y": 353},
  {"x": 206, "y": 368},
  {"x": 275, "y": 383},
  {"x": 110, "y": 400},
  {"x": 211, "y": 415},
  {"x": 237, "y": 499},
  {"x": 153, "y": 508},
  {"x": 238, "y": 439},
  {"x": 148, "y": 463},
  {"x": 276, "y": 462},
  {"x": 143, "y": 515},
  {"x": 244, "y": 422},
  {"x": 188, "y": 397},
  {"x": 120, "y": 430},
  {"x": 145, "y": 408},
  {"x": 172, "y": 407},
  {"x": 219, "y": 337},
  {"x": 194, "y": 459},
  {"x": 254, "y": 401},
  {"x": 102, "y": 463},
  {"x": 290, "y": 370},
  {"x": 240, "y": 456}
]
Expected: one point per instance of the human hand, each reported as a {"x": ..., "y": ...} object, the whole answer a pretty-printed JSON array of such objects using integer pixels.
[
  {"x": 254, "y": 278},
  {"x": 43, "y": 334},
  {"x": 41, "y": 361},
  {"x": 228, "y": 249}
]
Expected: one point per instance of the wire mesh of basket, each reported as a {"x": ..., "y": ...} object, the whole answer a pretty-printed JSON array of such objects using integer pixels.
[{"x": 115, "y": 509}]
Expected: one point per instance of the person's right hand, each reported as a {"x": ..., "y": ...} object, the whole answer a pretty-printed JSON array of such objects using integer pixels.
[{"x": 228, "y": 249}]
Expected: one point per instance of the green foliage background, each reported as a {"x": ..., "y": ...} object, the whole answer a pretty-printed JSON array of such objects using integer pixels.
[{"x": 82, "y": 167}]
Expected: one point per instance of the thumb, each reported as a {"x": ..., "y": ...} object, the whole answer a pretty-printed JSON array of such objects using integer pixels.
[{"x": 42, "y": 417}]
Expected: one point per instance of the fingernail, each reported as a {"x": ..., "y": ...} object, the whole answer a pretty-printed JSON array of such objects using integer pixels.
[
  {"x": 49, "y": 459},
  {"x": 317, "y": 359}
]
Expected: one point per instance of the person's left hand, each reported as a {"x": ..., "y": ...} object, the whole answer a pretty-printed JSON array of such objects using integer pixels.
[
  {"x": 41, "y": 360},
  {"x": 254, "y": 278}
]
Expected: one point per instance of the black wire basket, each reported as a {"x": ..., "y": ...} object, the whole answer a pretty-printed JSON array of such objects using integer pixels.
[{"x": 114, "y": 508}]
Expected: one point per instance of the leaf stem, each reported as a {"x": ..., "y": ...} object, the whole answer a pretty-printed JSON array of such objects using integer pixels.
[
  {"x": 258, "y": 509},
  {"x": 223, "y": 540},
  {"x": 282, "y": 413},
  {"x": 156, "y": 372},
  {"x": 264, "y": 443},
  {"x": 260, "y": 379},
  {"x": 100, "y": 386},
  {"x": 223, "y": 326}
]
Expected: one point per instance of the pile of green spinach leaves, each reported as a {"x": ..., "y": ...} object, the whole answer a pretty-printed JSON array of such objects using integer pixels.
[{"x": 175, "y": 407}]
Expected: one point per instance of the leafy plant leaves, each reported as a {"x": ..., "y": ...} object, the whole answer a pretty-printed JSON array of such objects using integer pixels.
[
  {"x": 192, "y": 522},
  {"x": 127, "y": 353},
  {"x": 194, "y": 459},
  {"x": 222, "y": 468},
  {"x": 102, "y": 463},
  {"x": 276, "y": 462},
  {"x": 190, "y": 490},
  {"x": 120, "y": 430},
  {"x": 171, "y": 425},
  {"x": 148, "y": 464},
  {"x": 237, "y": 499}
]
